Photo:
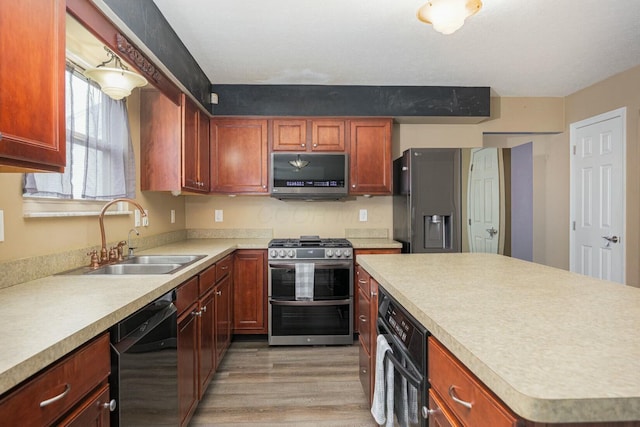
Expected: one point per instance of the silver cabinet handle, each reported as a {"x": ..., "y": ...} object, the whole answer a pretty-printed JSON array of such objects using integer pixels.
[
  {"x": 218, "y": 292},
  {"x": 111, "y": 406},
  {"x": 452, "y": 395},
  {"x": 362, "y": 318},
  {"x": 67, "y": 389},
  {"x": 362, "y": 281},
  {"x": 374, "y": 293},
  {"x": 196, "y": 313},
  {"x": 203, "y": 310}
]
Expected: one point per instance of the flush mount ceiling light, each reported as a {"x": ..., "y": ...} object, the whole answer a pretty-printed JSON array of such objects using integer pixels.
[
  {"x": 117, "y": 81},
  {"x": 447, "y": 16}
]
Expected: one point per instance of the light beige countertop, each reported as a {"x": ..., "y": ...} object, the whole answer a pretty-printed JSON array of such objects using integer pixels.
[
  {"x": 45, "y": 319},
  {"x": 553, "y": 345},
  {"x": 373, "y": 243}
]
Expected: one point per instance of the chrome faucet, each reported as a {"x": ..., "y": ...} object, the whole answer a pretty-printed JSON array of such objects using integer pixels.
[
  {"x": 104, "y": 255},
  {"x": 135, "y": 230}
]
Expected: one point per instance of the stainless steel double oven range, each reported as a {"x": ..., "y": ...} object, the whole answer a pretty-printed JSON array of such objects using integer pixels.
[{"x": 310, "y": 291}]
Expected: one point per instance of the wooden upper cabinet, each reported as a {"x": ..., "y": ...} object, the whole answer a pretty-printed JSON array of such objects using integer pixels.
[
  {"x": 370, "y": 156},
  {"x": 174, "y": 144},
  {"x": 327, "y": 135},
  {"x": 289, "y": 134},
  {"x": 308, "y": 135},
  {"x": 32, "y": 86},
  {"x": 195, "y": 148},
  {"x": 239, "y": 156}
]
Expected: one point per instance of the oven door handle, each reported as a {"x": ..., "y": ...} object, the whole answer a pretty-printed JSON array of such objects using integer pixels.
[
  {"x": 416, "y": 381},
  {"x": 317, "y": 264},
  {"x": 310, "y": 303},
  {"x": 383, "y": 329}
]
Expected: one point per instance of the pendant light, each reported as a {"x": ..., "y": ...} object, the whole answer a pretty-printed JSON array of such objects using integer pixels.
[
  {"x": 447, "y": 16},
  {"x": 117, "y": 81}
]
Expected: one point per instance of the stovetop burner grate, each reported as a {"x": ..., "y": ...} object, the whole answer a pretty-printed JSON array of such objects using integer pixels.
[{"x": 310, "y": 241}]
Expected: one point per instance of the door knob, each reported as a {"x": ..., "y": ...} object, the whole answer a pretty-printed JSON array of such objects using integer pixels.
[
  {"x": 612, "y": 239},
  {"x": 492, "y": 232}
]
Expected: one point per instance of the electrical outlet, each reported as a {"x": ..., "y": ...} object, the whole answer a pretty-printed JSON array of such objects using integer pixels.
[
  {"x": 136, "y": 218},
  {"x": 173, "y": 216},
  {"x": 218, "y": 215},
  {"x": 363, "y": 215},
  {"x": 1, "y": 226},
  {"x": 145, "y": 219}
]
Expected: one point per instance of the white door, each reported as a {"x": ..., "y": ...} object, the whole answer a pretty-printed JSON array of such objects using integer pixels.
[
  {"x": 598, "y": 196},
  {"x": 484, "y": 201}
]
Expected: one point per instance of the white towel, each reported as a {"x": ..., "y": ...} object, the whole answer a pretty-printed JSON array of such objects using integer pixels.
[
  {"x": 382, "y": 406},
  {"x": 304, "y": 281}
]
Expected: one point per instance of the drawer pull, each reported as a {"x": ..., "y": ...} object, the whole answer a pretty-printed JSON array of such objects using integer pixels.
[
  {"x": 111, "y": 405},
  {"x": 458, "y": 401},
  {"x": 67, "y": 389},
  {"x": 362, "y": 281},
  {"x": 362, "y": 318}
]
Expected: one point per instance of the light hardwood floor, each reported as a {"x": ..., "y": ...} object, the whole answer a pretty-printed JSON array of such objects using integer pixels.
[{"x": 292, "y": 385}]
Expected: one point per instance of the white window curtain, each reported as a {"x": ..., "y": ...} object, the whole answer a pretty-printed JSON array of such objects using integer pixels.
[{"x": 100, "y": 159}]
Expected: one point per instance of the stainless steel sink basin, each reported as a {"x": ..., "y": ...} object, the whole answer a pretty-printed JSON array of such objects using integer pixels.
[
  {"x": 142, "y": 264},
  {"x": 136, "y": 269},
  {"x": 162, "y": 259}
]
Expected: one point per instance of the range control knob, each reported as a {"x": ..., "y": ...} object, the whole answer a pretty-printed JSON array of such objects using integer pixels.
[
  {"x": 347, "y": 253},
  {"x": 338, "y": 253},
  {"x": 273, "y": 253},
  {"x": 329, "y": 253},
  {"x": 281, "y": 253},
  {"x": 291, "y": 253}
]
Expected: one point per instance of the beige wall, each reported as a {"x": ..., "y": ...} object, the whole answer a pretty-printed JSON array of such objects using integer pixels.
[
  {"x": 28, "y": 237},
  {"x": 622, "y": 90}
]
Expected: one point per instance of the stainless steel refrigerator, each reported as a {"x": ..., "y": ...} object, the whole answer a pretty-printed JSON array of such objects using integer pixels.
[{"x": 427, "y": 200}]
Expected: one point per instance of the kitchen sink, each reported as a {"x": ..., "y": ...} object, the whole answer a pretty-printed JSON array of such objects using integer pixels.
[
  {"x": 136, "y": 269},
  {"x": 141, "y": 264},
  {"x": 162, "y": 259}
]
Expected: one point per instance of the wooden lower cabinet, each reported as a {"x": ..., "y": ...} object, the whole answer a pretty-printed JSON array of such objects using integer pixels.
[
  {"x": 204, "y": 332},
  {"x": 93, "y": 412},
  {"x": 367, "y": 302},
  {"x": 222, "y": 321},
  {"x": 250, "y": 292},
  {"x": 438, "y": 415},
  {"x": 188, "y": 361},
  {"x": 65, "y": 392}
]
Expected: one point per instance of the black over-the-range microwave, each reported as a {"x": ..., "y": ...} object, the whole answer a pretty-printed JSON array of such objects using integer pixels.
[{"x": 309, "y": 175}]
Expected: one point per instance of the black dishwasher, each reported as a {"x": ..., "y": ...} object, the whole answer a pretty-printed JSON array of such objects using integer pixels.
[{"x": 144, "y": 366}]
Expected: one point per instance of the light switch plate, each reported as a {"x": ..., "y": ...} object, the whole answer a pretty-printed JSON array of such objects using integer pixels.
[
  {"x": 145, "y": 219},
  {"x": 1, "y": 226},
  {"x": 136, "y": 218},
  {"x": 218, "y": 215},
  {"x": 173, "y": 216},
  {"x": 363, "y": 215}
]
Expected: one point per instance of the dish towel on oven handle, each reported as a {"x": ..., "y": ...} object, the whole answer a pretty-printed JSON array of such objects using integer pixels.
[
  {"x": 304, "y": 281},
  {"x": 382, "y": 406},
  {"x": 406, "y": 399}
]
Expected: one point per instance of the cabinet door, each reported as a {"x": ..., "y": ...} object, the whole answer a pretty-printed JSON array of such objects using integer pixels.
[
  {"x": 32, "y": 86},
  {"x": 439, "y": 415},
  {"x": 250, "y": 292},
  {"x": 195, "y": 147},
  {"x": 289, "y": 135},
  {"x": 207, "y": 353},
  {"x": 160, "y": 148},
  {"x": 222, "y": 318},
  {"x": 370, "y": 159},
  {"x": 94, "y": 411},
  {"x": 239, "y": 156},
  {"x": 327, "y": 135},
  {"x": 188, "y": 364}
]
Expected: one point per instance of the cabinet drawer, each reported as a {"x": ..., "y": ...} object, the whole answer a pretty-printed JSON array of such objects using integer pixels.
[
  {"x": 207, "y": 279},
  {"x": 54, "y": 391},
  {"x": 364, "y": 320},
  {"x": 363, "y": 279},
  {"x": 223, "y": 267},
  {"x": 450, "y": 379},
  {"x": 187, "y": 294}
]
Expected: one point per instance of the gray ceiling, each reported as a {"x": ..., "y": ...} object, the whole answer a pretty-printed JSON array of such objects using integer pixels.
[{"x": 517, "y": 47}]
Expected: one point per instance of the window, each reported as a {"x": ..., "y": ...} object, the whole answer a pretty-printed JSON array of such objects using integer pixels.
[{"x": 100, "y": 160}]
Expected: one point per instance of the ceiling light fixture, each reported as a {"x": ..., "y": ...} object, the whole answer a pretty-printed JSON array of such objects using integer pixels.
[
  {"x": 447, "y": 16},
  {"x": 118, "y": 81}
]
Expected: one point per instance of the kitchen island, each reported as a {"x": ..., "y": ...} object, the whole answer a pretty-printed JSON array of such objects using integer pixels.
[{"x": 554, "y": 346}]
